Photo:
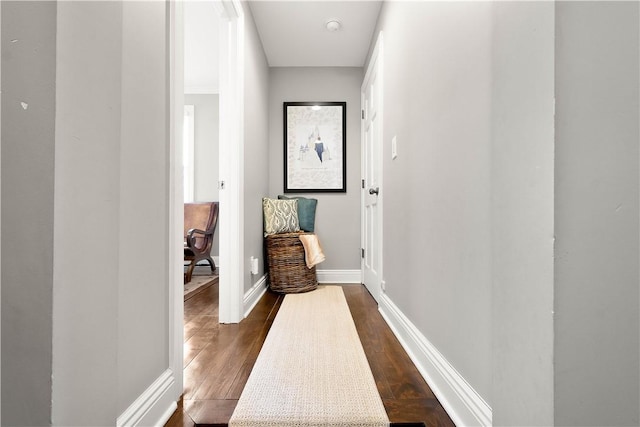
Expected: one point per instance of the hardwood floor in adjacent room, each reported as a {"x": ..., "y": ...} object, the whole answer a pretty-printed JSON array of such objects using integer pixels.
[{"x": 218, "y": 359}]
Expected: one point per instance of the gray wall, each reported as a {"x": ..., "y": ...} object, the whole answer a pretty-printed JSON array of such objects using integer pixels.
[
  {"x": 256, "y": 145},
  {"x": 79, "y": 352},
  {"x": 437, "y": 224},
  {"x": 596, "y": 185},
  {"x": 87, "y": 176},
  {"x": 338, "y": 214},
  {"x": 522, "y": 213},
  {"x": 206, "y": 162},
  {"x": 545, "y": 335},
  {"x": 28, "y": 75},
  {"x": 143, "y": 285}
]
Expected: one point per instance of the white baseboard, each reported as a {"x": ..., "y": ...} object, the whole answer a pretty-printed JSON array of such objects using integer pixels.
[
  {"x": 463, "y": 404},
  {"x": 253, "y": 295},
  {"x": 154, "y": 406},
  {"x": 339, "y": 276}
]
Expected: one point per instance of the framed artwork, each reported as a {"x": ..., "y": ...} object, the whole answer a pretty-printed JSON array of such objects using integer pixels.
[{"x": 315, "y": 147}]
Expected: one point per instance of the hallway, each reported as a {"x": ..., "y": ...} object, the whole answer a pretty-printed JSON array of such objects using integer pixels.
[
  {"x": 218, "y": 359},
  {"x": 510, "y": 257}
]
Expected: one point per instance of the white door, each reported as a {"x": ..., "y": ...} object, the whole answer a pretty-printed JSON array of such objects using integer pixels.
[{"x": 372, "y": 175}]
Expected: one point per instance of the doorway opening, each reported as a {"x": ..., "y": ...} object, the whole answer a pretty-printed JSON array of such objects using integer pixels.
[
  {"x": 208, "y": 86},
  {"x": 228, "y": 184},
  {"x": 201, "y": 127}
]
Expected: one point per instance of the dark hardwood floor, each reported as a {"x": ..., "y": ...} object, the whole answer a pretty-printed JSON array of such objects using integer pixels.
[{"x": 218, "y": 359}]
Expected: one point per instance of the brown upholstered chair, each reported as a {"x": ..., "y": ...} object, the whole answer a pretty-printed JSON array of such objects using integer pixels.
[{"x": 200, "y": 220}]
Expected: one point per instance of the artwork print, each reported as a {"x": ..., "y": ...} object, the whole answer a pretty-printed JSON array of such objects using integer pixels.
[{"x": 315, "y": 147}]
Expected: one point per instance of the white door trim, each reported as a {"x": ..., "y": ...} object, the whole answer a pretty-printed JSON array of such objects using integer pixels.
[
  {"x": 176, "y": 207},
  {"x": 375, "y": 64},
  {"x": 231, "y": 227},
  {"x": 0, "y": 255}
]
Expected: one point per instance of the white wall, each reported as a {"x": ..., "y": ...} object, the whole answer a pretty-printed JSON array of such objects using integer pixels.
[
  {"x": 206, "y": 165},
  {"x": 206, "y": 137},
  {"x": 256, "y": 145},
  {"x": 437, "y": 224},
  {"x": 522, "y": 213},
  {"x": 201, "y": 38},
  {"x": 337, "y": 214},
  {"x": 28, "y": 75},
  {"x": 596, "y": 185}
]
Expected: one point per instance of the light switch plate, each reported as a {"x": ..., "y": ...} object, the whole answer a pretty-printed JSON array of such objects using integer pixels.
[{"x": 394, "y": 148}]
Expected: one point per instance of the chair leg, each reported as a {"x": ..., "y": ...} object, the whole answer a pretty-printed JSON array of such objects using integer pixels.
[
  {"x": 212, "y": 264},
  {"x": 189, "y": 272}
]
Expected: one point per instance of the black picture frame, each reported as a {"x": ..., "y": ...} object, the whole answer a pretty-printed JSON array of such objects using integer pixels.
[{"x": 315, "y": 147}]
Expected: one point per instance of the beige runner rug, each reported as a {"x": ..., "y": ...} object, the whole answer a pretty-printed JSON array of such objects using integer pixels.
[{"x": 312, "y": 370}]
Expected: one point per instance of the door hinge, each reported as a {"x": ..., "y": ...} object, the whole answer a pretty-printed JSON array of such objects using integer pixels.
[
  {"x": 221, "y": 185},
  {"x": 363, "y": 183},
  {"x": 362, "y": 114},
  {"x": 362, "y": 252}
]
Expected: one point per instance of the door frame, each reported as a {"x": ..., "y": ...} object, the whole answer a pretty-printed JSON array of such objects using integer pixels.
[
  {"x": 375, "y": 65},
  {"x": 176, "y": 208},
  {"x": 230, "y": 156},
  {"x": 231, "y": 160}
]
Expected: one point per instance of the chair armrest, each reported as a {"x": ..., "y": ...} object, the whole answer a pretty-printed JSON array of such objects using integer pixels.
[{"x": 191, "y": 239}]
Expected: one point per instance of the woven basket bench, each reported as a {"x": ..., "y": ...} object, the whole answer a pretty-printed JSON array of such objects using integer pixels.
[{"x": 288, "y": 272}]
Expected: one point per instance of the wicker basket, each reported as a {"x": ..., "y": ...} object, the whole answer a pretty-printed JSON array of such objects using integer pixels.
[{"x": 288, "y": 272}]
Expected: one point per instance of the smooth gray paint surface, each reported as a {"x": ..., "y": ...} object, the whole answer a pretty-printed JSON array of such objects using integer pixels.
[
  {"x": 587, "y": 197},
  {"x": 437, "y": 206},
  {"x": 143, "y": 340},
  {"x": 206, "y": 164},
  {"x": 87, "y": 183},
  {"x": 256, "y": 146},
  {"x": 111, "y": 194},
  {"x": 596, "y": 215},
  {"x": 78, "y": 362},
  {"x": 522, "y": 213},
  {"x": 337, "y": 214},
  {"x": 28, "y": 75}
]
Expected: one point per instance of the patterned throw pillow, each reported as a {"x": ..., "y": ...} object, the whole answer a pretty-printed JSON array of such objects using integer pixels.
[
  {"x": 306, "y": 212},
  {"x": 280, "y": 216}
]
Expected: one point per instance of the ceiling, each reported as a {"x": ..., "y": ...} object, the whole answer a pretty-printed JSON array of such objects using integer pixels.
[{"x": 293, "y": 32}]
